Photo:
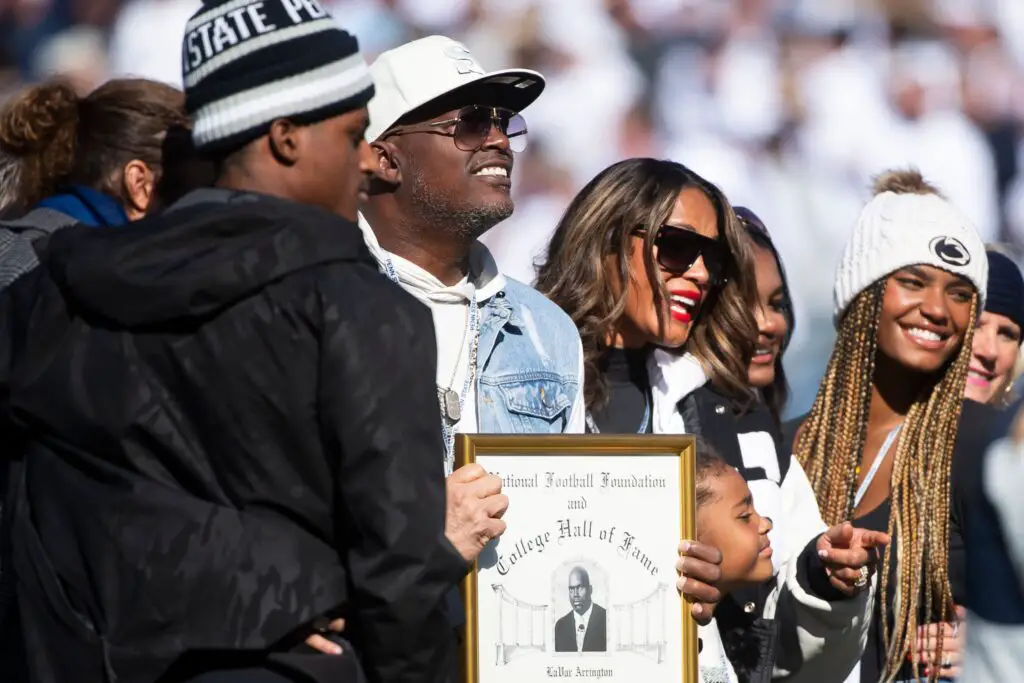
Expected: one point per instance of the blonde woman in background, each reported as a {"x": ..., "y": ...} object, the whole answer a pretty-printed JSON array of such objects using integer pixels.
[{"x": 997, "y": 338}]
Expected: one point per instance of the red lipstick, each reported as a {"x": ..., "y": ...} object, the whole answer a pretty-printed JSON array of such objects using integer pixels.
[{"x": 684, "y": 304}]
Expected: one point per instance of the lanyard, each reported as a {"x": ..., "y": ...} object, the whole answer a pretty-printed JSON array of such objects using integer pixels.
[
  {"x": 879, "y": 459},
  {"x": 473, "y": 333},
  {"x": 592, "y": 426}
]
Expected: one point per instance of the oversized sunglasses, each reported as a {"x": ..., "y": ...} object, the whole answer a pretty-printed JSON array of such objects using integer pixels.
[
  {"x": 750, "y": 220},
  {"x": 679, "y": 249},
  {"x": 472, "y": 126}
]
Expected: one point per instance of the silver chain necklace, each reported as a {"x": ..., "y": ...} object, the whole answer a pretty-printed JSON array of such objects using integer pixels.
[{"x": 449, "y": 401}]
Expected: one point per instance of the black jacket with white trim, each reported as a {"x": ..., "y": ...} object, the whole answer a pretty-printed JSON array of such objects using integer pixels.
[{"x": 815, "y": 633}]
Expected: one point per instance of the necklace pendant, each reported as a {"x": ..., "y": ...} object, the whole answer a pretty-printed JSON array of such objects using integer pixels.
[{"x": 451, "y": 405}]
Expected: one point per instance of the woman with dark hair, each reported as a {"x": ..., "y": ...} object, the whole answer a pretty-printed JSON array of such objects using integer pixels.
[
  {"x": 878, "y": 442},
  {"x": 651, "y": 263},
  {"x": 107, "y": 158},
  {"x": 774, "y": 315},
  {"x": 679, "y": 215}
]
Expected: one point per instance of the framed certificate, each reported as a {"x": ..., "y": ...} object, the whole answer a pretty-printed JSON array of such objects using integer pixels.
[{"x": 582, "y": 583}]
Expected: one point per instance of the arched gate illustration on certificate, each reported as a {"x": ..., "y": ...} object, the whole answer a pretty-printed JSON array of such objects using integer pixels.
[{"x": 526, "y": 628}]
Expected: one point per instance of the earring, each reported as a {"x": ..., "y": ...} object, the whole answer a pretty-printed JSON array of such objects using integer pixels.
[{"x": 1007, "y": 397}]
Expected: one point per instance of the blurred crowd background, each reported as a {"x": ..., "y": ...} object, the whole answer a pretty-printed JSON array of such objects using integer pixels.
[{"x": 791, "y": 106}]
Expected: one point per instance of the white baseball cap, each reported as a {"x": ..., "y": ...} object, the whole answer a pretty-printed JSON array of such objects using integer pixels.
[{"x": 419, "y": 72}]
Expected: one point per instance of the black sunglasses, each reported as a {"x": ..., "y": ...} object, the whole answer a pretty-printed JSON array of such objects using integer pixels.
[
  {"x": 679, "y": 249},
  {"x": 472, "y": 126}
]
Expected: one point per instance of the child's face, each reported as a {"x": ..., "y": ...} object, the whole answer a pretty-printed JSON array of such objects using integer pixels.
[{"x": 728, "y": 521}]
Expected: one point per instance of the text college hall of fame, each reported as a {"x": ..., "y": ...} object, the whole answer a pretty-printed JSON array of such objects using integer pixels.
[{"x": 582, "y": 583}]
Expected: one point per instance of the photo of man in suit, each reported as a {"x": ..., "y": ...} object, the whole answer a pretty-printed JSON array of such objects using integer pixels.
[{"x": 584, "y": 628}]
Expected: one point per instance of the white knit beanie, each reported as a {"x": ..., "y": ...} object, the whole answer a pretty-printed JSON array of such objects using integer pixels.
[{"x": 899, "y": 230}]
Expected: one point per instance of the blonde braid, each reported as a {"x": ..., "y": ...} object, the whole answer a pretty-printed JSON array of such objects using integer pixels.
[{"x": 832, "y": 439}]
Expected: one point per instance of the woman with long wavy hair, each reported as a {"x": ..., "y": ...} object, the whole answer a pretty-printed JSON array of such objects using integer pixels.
[
  {"x": 878, "y": 443},
  {"x": 651, "y": 263}
]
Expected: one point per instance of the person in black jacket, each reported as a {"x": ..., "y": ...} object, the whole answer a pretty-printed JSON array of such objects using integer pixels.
[
  {"x": 228, "y": 414},
  {"x": 652, "y": 265},
  {"x": 728, "y": 520},
  {"x": 101, "y": 159}
]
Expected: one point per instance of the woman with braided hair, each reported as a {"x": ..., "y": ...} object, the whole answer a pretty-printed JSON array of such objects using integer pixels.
[{"x": 877, "y": 445}]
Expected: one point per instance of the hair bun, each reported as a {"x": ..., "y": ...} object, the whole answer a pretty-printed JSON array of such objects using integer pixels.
[
  {"x": 38, "y": 118},
  {"x": 904, "y": 181}
]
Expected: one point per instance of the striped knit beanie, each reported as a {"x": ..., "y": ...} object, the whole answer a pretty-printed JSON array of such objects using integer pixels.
[{"x": 247, "y": 63}]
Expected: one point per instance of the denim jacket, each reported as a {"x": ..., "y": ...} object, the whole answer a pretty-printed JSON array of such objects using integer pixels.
[{"x": 530, "y": 358}]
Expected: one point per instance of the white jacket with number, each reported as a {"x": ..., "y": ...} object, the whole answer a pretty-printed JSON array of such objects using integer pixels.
[{"x": 819, "y": 640}]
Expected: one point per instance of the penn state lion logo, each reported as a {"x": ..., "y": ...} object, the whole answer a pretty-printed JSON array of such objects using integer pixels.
[{"x": 950, "y": 250}]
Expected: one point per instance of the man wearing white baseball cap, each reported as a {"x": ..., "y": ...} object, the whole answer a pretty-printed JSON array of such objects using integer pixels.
[
  {"x": 445, "y": 131},
  {"x": 417, "y": 73}
]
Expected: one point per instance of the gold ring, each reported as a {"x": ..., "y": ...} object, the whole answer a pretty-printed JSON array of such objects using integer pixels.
[{"x": 863, "y": 579}]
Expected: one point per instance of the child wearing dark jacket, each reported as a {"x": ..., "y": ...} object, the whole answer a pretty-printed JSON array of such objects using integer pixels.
[{"x": 726, "y": 519}]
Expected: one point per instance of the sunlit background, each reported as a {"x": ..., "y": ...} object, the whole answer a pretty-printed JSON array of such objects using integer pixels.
[{"x": 791, "y": 106}]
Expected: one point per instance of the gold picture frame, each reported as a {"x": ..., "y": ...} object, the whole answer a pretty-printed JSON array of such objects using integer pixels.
[{"x": 471, "y": 447}]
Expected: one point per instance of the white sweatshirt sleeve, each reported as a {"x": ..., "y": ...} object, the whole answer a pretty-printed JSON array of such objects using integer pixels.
[
  {"x": 577, "y": 423},
  {"x": 826, "y": 638}
]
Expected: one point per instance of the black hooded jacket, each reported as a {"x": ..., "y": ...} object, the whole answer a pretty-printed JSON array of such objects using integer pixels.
[{"x": 228, "y": 425}]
